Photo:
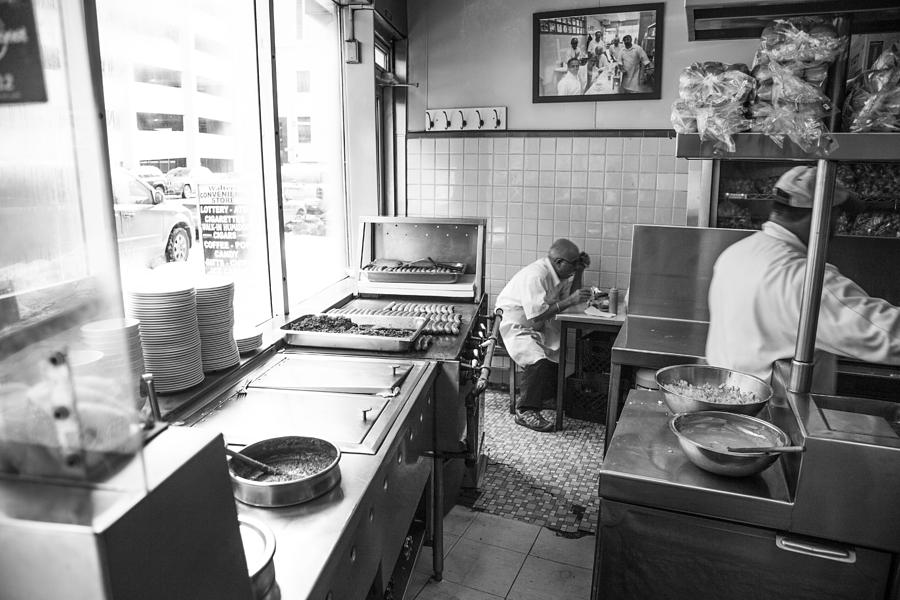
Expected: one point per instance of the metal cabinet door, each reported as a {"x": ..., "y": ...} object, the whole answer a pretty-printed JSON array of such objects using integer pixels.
[{"x": 648, "y": 553}]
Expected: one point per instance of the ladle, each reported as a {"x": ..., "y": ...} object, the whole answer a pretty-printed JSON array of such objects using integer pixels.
[
  {"x": 251, "y": 461},
  {"x": 767, "y": 449}
]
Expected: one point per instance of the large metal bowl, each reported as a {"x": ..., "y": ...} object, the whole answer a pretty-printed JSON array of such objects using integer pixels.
[
  {"x": 705, "y": 436},
  {"x": 699, "y": 375},
  {"x": 286, "y": 453}
]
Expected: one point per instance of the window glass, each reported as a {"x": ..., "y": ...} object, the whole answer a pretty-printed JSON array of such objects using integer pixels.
[
  {"x": 307, "y": 40},
  {"x": 303, "y": 83},
  {"x": 382, "y": 57},
  {"x": 186, "y": 71}
]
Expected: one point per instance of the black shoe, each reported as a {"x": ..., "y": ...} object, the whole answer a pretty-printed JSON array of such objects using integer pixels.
[{"x": 533, "y": 419}]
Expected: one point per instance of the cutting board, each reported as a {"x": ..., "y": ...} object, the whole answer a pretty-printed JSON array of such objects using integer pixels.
[{"x": 334, "y": 376}]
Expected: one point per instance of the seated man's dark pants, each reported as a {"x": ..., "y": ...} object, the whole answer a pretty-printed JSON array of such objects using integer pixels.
[{"x": 538, "y": 385}]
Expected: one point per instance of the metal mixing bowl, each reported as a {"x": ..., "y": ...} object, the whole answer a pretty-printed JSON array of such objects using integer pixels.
[
  {"x": 698, "y": 375},
  {"x": 285, "y": 452},
  {"x": 704, "y": 437}
]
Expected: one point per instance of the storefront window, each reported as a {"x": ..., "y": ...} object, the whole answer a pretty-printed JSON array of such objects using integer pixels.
[
  {"x": 307, "y": 40},
  {"x": 186, "y": 71}
]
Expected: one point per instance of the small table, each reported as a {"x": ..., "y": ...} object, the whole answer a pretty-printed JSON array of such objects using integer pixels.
[{"x": 574, "y": 317}]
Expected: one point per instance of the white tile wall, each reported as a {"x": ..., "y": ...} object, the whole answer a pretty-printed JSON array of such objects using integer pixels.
[{"x": 533, "y": 190}]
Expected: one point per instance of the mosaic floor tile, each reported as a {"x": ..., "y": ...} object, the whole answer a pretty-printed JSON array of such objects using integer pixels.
[{"x": 547, "y": 479}]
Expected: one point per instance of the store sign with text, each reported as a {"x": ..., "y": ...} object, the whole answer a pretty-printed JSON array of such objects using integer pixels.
[
  {"x": 21, "y": 73},
  {"x": 224, "y": 224}
]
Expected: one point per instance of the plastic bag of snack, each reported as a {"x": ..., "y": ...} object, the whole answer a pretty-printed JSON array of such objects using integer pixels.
[
  {"x": 715, "y": 83},
  {"x": 683, "y": 117},
  {"x": 789, "y": 88},
  {"x": 808, "y": 40},
  {"x": 879, "y": 111},
  {"x": 873, "y": 97},
  {"x": 802, "y": 124}
]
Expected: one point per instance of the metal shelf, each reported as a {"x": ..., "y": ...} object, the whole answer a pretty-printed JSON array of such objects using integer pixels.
[
  {"x": 852, "y": 147},
  {"x": 743, "y": 19}
]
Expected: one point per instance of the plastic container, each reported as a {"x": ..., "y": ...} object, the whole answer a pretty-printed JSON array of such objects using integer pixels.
[
  {"x": 645, "y": 379},
  {"x": 614, "y": 301}
]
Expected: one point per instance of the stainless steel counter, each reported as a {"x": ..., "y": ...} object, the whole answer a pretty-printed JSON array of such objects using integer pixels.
[
  {"x": 651, "y": 343},
  {"x": 342, "y": 542},
  {"x": 644, "y": 461}
]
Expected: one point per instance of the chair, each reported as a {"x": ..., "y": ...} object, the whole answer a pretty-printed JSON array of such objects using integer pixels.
[{"x": 500, "y": 350}]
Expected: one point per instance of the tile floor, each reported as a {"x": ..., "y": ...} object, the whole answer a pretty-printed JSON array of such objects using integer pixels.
[
  {"x": 488, "y": 557},
  {"x": 546, "y": 479}
]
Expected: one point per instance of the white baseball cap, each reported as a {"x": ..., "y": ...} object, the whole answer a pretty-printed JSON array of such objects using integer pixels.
[{"x": 797, "y": 188}]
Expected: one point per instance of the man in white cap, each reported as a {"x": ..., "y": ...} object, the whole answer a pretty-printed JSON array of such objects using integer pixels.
[
  {"x": 757, "y": 287},
  {"x": 531, "y": 336}
]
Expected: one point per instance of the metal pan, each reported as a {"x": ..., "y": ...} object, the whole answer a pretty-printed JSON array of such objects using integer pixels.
[
  {"x": 259, "y": 550},
  {"x": 313, "y": 460},
  {"x": 353, "y": 341}
]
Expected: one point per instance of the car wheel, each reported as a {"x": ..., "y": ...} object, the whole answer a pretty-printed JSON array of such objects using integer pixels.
[
  {"x": 186, "y": 191},
  {"x": 179, "y": 245},
  {"x": 158, "y": 195}
]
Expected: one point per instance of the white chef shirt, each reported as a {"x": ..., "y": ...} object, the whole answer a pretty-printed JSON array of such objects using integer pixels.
[
  {"x": 569, "y": 85},
  {"x": 754, "y": 306},
  {"x": 529, "y": 293}
]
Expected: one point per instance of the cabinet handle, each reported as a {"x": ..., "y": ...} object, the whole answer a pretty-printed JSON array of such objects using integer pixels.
[{"x": 816, "y": 549}]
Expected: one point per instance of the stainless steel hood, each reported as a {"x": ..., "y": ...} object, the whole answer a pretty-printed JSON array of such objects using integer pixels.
[{"x": 739, "y": 19}]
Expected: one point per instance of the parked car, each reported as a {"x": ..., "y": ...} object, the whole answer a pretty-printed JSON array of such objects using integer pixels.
[
  {"x": 149, "y": 228},
  {"x": 183, "y": 181},
  {"x": 152, "y": 176},
  {"x": 304, "y": 219}
]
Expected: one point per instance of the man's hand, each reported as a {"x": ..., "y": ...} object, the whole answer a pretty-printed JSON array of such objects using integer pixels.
[
  {"x": 576, "y": 297},
  {"x": 583, "y": 262}
]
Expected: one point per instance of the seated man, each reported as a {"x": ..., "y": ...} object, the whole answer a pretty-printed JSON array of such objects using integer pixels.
[{"x": 529, "y": 301}]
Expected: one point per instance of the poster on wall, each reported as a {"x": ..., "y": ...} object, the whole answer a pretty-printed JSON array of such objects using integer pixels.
[
  {"x": 224, "y": 224},
  {"x": 596, "y": 54},
  {"x": 21, "y": 72}
]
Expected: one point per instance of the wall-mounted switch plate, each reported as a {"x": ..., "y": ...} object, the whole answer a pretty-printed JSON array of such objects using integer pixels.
[{"x": 490, "y": 118}]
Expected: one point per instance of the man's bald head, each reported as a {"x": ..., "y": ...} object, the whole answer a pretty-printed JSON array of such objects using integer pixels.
[{"x": 563, "y": 248}]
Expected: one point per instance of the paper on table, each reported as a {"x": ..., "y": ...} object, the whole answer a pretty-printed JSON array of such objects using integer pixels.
[{"x": 595, "y": 312}]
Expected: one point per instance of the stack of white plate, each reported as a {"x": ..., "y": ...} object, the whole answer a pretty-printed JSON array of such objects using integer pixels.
[
  {"x": 248, "y": 339},
  {"x": 119, "y": 340},
  {"x": 215, "y": 316},
  {"x": 170, "y": 337}
]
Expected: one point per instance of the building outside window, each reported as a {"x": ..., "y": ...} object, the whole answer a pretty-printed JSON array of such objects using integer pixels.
[
  {"x": 303, "y": 82},
  {"x": 158, "y": 122},
  {"x": 307, "y": 40},
  {"x": 304, "y": 130},
  {"x": 193, "y": 69}
]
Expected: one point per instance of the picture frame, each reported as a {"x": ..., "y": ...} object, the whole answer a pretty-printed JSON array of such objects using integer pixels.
[{"x": 596, "y": 39}]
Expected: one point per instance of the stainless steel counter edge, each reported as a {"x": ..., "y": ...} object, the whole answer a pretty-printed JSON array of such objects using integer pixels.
[
  {"x": 643, "y": 431},
  {"x": 651, "y": 492},
  {"x": 317, "y": 539}
]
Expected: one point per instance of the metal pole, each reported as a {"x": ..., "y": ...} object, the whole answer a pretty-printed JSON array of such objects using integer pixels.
[{"x": 802, "y": 365}]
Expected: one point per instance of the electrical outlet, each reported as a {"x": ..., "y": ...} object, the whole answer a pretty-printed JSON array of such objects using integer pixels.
[
  {"x": 351, "y": 52},
  {"x": 490, "y": 118}
]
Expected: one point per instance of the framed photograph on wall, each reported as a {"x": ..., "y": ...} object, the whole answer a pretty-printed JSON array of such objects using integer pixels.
[{"x": 596, "y": 54}]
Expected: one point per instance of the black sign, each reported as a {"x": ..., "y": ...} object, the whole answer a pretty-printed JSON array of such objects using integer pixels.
[
  {"x": 223, "y": 227},
  {"x": 21, "y": 73}
]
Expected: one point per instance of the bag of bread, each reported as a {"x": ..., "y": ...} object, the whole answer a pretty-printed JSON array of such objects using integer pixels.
[{"x": 873, "y": 97}]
